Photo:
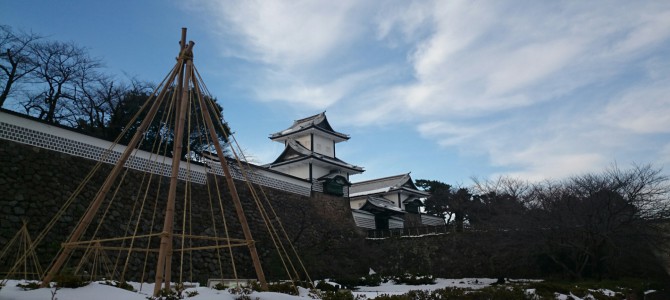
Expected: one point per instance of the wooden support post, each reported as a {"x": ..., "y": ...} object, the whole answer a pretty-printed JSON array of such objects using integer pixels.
[
  {"x": 233, "y": 192},
  {"x": 164, "y": 264}
]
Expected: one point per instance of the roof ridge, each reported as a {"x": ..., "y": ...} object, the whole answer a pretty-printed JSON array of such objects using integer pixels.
[
  {"x": 382, "y": 178},
  {"x": 308, "y": 118}
]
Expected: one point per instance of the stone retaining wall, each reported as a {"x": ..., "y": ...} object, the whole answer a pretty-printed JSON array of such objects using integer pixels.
[{"x": 35, "y": 182}]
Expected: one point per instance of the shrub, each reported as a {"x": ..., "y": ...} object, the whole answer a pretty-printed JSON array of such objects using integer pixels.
[
  {"x": 119, "y": 284},
  {"x": 340, "y": 295},
  {"x": 191, "y": 293},
  {"x": 284, "y": 288},
  {"x": 242, "y": 293},
  {"x": 395, "y": 297},
  {"x": 367, "y": 280},
  {"x": 372, "y": 280},
  {"x": 167, "y": 294},
  {"x": 414, "y": 279},
  {"x": 255, "y": 285},
  {"x": 501, "y": 293},
  {"x": 349, "y": 282},
  {"x": 67, "y": 279},
  {"x": 548, "y": 289},
  {"x": 325, "y": 286},
  {"x": 31, "y": 285}
]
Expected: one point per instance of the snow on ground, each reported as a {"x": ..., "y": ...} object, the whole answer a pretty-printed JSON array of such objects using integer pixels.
[
  {"x": 100, "y": 291},
  {"x": 390, "y": 288}
]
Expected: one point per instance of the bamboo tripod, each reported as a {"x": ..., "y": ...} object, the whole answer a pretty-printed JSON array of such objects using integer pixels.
[
  {"x": 22, "y": 245},
  {"x": 186, "y": 82}
]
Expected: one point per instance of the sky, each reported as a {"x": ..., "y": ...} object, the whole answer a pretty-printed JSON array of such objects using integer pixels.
[{"x": 446, "y": 90}]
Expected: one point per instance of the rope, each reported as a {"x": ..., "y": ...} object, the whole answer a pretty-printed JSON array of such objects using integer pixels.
[
  {"x": 139, "y": 215},
  {"x": 215, "y": 140},
  {"x": 158, "y": 188},
  {"x": 83, "y": 183},
  {"x": 254, "y": 196},
  {"x": 155, "y": 148},
  {"x": 260, "y": 187},
  {"x": 186, "y": 186},
  {"x": 210, "y": 202},
  {"x": 273, "y": 233},
  {"x": 94, "y": 247}
]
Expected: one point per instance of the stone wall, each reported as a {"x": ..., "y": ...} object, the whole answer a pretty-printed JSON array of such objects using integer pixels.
[
  {"x": 458, "y": 255},
  {"x": 493, "y": 254},
  {"x": 412, "y": 220},
  {"x": 35, "y": 183}
]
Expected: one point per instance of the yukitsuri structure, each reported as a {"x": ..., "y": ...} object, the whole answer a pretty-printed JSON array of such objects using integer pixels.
[{"x": 180, "y": 119}]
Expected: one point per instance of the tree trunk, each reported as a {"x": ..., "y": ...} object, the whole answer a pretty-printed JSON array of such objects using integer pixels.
[
  {"x": 10, "y": 79},
  {"x": 458, "y": 219}
]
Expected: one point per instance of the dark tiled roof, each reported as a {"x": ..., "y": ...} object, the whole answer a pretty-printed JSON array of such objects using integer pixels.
[
  {"x": 295, "y": 152},
  {"x": 379, "y": 204},
  {"x": 318, "y": 121},
  {"x": 386, "y": 184}
]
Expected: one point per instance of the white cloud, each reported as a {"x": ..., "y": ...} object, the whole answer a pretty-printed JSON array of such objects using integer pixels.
[
  {"x": 503, "y": 78},
  {"x": 286, "y": 33},
  {"x": 521, "y": 63},
  {"x": 408, "y": 20},
  {"x": 664, "y": 155},
  {"x": 642, "y": 109},
  {"x": 645, "y": 31},
  {"x": 529, "y": 64},
  {"x": 481, "y": 59},
  {"x": 450, "y": 134},
  {"x": 547, "y": 150},
  {"x": 559, "y": 165},
  {"x": 286, "y": 87}
]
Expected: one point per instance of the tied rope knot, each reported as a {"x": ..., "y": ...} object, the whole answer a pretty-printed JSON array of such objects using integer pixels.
[{"x": 186, "y": 53}]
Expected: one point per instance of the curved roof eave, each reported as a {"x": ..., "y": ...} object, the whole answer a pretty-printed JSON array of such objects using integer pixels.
[
  {"x": 411, "y": 191},
  {"x": 282, "y": 135},
  {"x": 301, "y": 158}
]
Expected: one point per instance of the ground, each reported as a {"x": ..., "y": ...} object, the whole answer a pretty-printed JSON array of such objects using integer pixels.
[{"x": 100, "y": 291}]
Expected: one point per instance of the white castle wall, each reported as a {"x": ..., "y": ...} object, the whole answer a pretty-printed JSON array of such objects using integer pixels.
[{"x": 38, "y": 134}]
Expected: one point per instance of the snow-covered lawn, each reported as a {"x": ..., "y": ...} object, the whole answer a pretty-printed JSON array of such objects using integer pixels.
[
  {"x": 391, "y": 288},
  {"x": 100, "y": 291}
]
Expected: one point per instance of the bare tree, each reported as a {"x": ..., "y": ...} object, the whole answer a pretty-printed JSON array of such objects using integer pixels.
[
  {"x": 502, "y": 185},
  {"x": 591, "y": 223},
  {"x": 96, "y": 101},
  {"x": 59, "y": 69},
  {"x": 15, "y": 59}
]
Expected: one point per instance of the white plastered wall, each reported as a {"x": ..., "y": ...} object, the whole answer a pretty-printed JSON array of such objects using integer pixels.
[{"x": 324, "y": 146}]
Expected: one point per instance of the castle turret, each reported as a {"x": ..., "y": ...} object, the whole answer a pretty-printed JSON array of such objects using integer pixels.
[{"x": 310, "y": 154}]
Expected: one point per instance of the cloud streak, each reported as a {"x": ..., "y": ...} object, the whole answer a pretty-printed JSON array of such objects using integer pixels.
[{"x": 543, "y": 89}]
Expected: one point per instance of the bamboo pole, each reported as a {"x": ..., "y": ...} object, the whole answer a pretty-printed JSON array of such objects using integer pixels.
[
  {"x": 95, "y": 205},
  {"x": 233, "y": 193},
  {"x": 164, "y": 265}
]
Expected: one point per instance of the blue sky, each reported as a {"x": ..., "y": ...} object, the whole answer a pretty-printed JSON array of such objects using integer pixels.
[{"x": 445, "y": 89}]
